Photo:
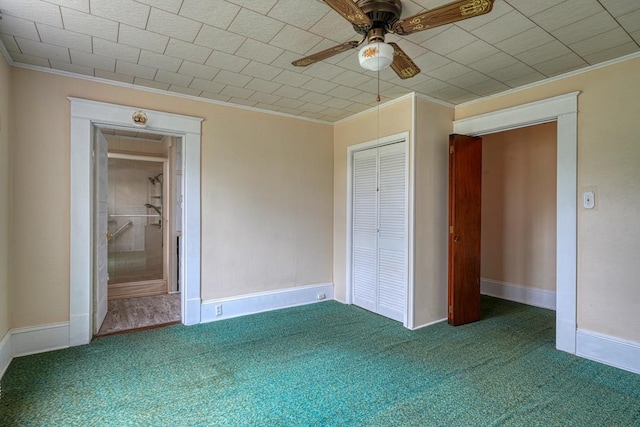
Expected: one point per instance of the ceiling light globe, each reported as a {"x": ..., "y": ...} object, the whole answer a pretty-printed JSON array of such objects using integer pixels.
[{"x": 375, "y": 56}]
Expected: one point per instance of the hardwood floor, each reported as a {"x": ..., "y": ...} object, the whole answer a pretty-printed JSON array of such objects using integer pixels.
[{"x": 141, "y": 313}]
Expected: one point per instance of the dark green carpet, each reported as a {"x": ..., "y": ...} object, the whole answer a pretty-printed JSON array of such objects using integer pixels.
[{"x": 324, "y": 364}]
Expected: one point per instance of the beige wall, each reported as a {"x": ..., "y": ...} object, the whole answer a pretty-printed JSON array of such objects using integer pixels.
[
  {"x": 433, "y": 126},
  {"x": 608, "y": 159},
  {"x": 266, "y": 195},
  {"x": 519, "y": 206},
  {"x": 5, "y": 179}
]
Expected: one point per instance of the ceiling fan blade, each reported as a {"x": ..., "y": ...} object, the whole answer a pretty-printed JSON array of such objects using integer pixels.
[
  {"x": 351, "y": 12},
  {"x": 446, "y": 14},
  {"x": 403, "y": 65},
  {"x": 327, "y": 53}
]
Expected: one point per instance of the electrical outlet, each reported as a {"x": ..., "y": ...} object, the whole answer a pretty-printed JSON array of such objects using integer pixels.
[
  {"x": 219, "y": 310},
  {"x": 321, "y": 296},
  {"x": 589, "y": 200}
]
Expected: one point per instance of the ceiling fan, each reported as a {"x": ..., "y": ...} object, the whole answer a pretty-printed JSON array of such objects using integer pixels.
[{"x": 373, "y": 19}]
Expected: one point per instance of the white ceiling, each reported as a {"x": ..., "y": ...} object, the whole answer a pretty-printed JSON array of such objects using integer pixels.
[{"x": 240, "y": 51}]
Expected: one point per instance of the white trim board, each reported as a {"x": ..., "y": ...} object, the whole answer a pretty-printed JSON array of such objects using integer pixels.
[
  {"x": 617, "y": 352},
  {"x": 5, "y": 353},
  {"x": 564, "y": 110},
  {"x": 265, "y": 301},
  {"x": 84, "y": 115},
  {"x": 518, "y": 293}
]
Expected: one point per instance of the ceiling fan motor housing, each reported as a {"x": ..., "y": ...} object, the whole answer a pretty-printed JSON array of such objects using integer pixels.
[{"x": 383, "y": 13}]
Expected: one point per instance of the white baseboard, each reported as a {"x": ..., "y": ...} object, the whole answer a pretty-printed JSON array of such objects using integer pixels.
[
  {"x": 623, "y": 354},
  {"x": 5, "y": 353},
  {"x": 37, "y": 339},
  {"x": 518, "y": 293},
  {"x": 429, "y": 324},
  {"x": 265, "y": 301}
]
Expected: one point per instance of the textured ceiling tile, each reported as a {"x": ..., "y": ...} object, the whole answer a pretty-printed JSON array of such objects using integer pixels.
[
  {"x": 240, "y": 101},
  {"x": 300, "y": 13},
  {"x": 471, "y": 78},
  {"x": 260, "y": 70},
  {"x": 173, "y": 78},
  {"x": 449, "y": 41},
  {"x": 374, "y": 85},
  {"x": 115, "y": 50},
  {"x": 494, "y": 62},
  {"x": 188, "y": 51},
  {"x": 81, "y": 5},
  {"x": 313, "y": 108},
  {"x": 267, "y": 98},
  {"x": 348, "y": 61},
  {"x": 172, "y": 6},
  {"x": 431, "y": 85},
  {"x": 284, "y": 61},
  {"x": 229, "y": 78},
  {"x": 236, "y": 92},
  {"x": 315, "y": 98},
  {"x": 530, "y": 8},
  {"x": 338, "y": 103},
  {"x": 566, "y": 13},
  {"x": 295, "y": 40},
  {"x": 155, "y": 60},
  {"x": 543, "y": 53},
  {"x": 136, "y": 70},
  {"x": 216, "y": 13},
  {"x": 57, "y": 53},
  {"x": 430, "y": 61},
  {"x": 449, "y": 93},
  {"x": 333, "y": 27},
  {"x": 125, "y": 11},
  {"x": 290, "y": 92},
  {"x": 473, "y": 52},
  {"x": 319, "y": 85},
  {"x": 89, "y": 24},
  {"x": 217, "y": 39},
  {"x": 620, "y": 7},
  {"x": 142, "y": 39},
  {"x": 588, "y": 27},
  {"x": 226, "y": 62},
  {"x": 71, "y": 68},
  {"x": 198, "y": 70},
  {"x": 608, "y": 40},
  {"x": 487, "y": 87},
  {"x": 511, "y": 72},
  {"x": 185, "y": 90},
  {"x": 92, "y": 61},
  {"x": 289, "y": 103},
  {"x": 560, "y": 65},
  {"x": 113, "y": 76},
  {"x": 421, "y": 37},
  {"x": 356, "y": 107},
  {"x": 9, "y": 43},
  {"x": 33, "y": 10},
  {"x": 290, "y": 111},
  {"x": 529, "y": 39},
  {"x": 323, "y": 70},
  {"x": 151, "y": 83},
  {"x": 262, "y": 86},
  {"x": 636, "y": 36},
  {"x": 59, "y": 37},
  {"x": 262, "y": 6},
  {"x": 344, "y": 92},
  {"x": 616, "y": 52},
  {"x": 31, "y": 60},
  {"x": 19, "y": 27},
  {"x": 292, "y": 79},
  {"x": 631, "y": 22},
  {"x": 449, "y": 71},
  {"x": 350, "y": 78},
  {"x": 505, "y": 27},
  {"x": 172, "y": 25},
  {"x": 258, "y": 51},
  {"x": 206, "y": 85},
  {"x": 255, "y": 26}
]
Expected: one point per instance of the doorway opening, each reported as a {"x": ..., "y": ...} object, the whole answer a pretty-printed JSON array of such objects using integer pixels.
[{"x": 143, "y": 227}]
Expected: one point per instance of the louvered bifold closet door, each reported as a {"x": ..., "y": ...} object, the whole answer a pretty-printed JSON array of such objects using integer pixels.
[
  {"x": 392, "y": 234},
  {"x": 365, "y": 229},
  {"x": 379, "y": 263}
]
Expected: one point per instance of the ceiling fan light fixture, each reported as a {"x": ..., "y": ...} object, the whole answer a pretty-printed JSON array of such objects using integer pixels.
[{"x": 375, "y": 56}]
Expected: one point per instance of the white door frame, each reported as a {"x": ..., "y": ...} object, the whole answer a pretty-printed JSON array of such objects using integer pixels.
[
  {"x": 392, "y": 139},
  {"x": 84, "y": 115},
  {"x": 564, "y": 110}
]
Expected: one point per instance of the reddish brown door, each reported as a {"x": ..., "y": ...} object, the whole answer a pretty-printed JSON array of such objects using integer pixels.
[{"x": 465, "y": 175}]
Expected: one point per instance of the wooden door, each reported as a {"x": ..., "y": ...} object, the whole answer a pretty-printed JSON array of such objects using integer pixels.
[
  {"x": 101, "y": 278},
  {"x": 465, "y": 178}
]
